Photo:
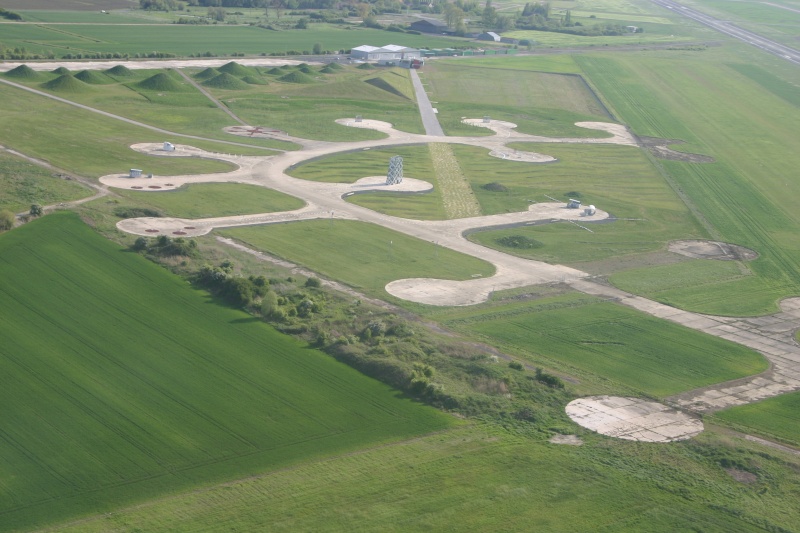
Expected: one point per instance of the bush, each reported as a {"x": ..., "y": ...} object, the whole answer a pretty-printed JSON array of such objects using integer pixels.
[
  {"x": 495, "y": 187},
  {"x": 139, "y": 244},
  {"x": 516, "y": 365},
  {"x": 520, "y": 242},
  {"x": 549, "y": 379},
  {"x": 136, "y": 212},
  {"x": 313, "y": 283},
  {"x": 7, "y": 219}
]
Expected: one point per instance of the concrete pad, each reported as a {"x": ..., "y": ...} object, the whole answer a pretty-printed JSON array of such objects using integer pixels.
[{"x": 633, "y": 419}]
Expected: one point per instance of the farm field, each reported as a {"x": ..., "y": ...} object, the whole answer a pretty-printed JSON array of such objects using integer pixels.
[
  {"x": 779, "y": 21},
  {"x": 481, "y": 478},
  {"x": 154, "y": 389},
  {"x": 745, "y": 197},
  {"x": 184, "y": 39},
  {"x": 375, "y": 257},
  {"x": 22, "y": 184},
  {"x": 774, "y": 418},
  {"x": 213, "y": 200}
]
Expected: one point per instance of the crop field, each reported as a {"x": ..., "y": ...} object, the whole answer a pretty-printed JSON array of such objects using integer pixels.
[
  {"x": 479, "y": 479},
  {"x": 375, "y": 255},
  {"x": 213, "y": 200},
  {"x": 745, "y": 197},
  {"x": 152, "y": 389},
  {"x": 774, "y": 418},
  {"x": 22, "y": 184},
  {"x": 185, "y": 40},
  {"x": 643, "y": 353}
]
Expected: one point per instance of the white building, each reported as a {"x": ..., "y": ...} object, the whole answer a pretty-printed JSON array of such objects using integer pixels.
[
  {"x": 388, "y": 53},
  {"x": 135, "y": 173}
]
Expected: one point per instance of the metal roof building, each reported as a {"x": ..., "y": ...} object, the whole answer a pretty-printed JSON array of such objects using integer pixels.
[{"x": 390, "y": 52}]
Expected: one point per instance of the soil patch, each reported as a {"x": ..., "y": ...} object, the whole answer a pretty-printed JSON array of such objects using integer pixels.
[
  {"x": 659, "y": 148},
  {"x": 570, "y": 440},
  {"x": 721, "y": 251},
  {"x": 742, "y": 476}
]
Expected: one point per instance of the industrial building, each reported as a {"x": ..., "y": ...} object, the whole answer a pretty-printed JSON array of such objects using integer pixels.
[{"x": 390, "y": 52}]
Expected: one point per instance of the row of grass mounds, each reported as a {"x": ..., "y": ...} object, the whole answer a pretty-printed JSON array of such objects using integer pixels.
[
  {"x": 119, "y": 70},
  {"x": 226, "y": 81},
  {"x": 23, "y": 72},
  {"x": 93, "y": 77}
]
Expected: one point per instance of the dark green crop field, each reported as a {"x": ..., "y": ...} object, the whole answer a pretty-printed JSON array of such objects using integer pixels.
[
  {"x": 774, "y": 418},
  {"x": 120, "y": 382}
]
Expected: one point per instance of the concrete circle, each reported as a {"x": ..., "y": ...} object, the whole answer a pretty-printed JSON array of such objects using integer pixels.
[
  {"x": 633, "y": 419},
  {"x": 721, "y": 251}
]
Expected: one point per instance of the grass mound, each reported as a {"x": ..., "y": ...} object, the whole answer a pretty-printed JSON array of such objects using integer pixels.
[
  {"x": 327, "y": 70},
  {"x": 119, "y": 70},
  {"x": 92, "y": 77},
  {"x": 253, "y": 80},
  {"x": 61, "y": 70},
  {"x": 494, "y": 187},
  {"x": 296, "y": 77},
  {"x": 207, "y": 74},
  {"x": 275, "y": 71},
  {"x": 334, "y": 66},
  {"x": 384, "y": 85},
  {"x": 226, "y": 81},
  {"x": 235, "y": 69},
  {"x": 23, "y": 72},
  {"x": 160, "y": 82},
  {"x": 66, "y": 83},
  {"x": 305, "y": 69},
  {"x": 365, "y": 66}
]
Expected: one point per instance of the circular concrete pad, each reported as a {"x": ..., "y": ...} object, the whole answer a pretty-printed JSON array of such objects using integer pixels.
[
  {"x": 721, "y": 251},
  {"x": 633, "y": 419}
]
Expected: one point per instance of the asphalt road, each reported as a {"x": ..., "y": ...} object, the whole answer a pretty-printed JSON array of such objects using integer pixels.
[
  {"x": 428, "y": 115},
  {"x": 780, "y": 50}
]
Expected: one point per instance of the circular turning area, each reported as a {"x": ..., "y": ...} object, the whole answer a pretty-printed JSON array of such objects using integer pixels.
[
  {"x": 721, "y": 251},
  {"x": 633, "y": 419}
]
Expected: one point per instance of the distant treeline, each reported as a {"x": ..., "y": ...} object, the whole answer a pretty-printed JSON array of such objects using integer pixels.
[{"x": 9, "y": 15}]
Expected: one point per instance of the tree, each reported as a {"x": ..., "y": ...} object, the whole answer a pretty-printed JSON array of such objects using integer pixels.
[
  {"x": 317, "y": 49},
  {"x": 269, "y": 304},
  {"x": 7, "y": 219},
  {"x": 453, "y": 16},
  {"x": 489, "y": 15},
  {"x": 216, "y": 13},
  {"x": 36, "y": 210}
]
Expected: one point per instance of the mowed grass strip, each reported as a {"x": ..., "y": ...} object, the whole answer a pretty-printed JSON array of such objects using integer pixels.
[
  {"x": 614, "y": 342},
  {"x": 362, "y": 255},
  {"x": 457, "y": 196},
  {"x": 214, "y": 200},
  {"x": 120, "y": 383},
  {"x": 775, "y": 418}
]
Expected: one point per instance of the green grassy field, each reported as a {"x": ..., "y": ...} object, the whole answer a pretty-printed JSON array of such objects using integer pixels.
[
  {"x": 774, "y": 418},
  {"x": 375, "y": 255},
  {"x": 482, "y": 479},
  {"x": 155, "y": 388},
  {"x": 619, "y": 344},
  {"x": 746, "y": 196},
  {"x": 183, "y": 40},
  {"x": 22, "y": 183},
  {"x": 213, "y": 200}
]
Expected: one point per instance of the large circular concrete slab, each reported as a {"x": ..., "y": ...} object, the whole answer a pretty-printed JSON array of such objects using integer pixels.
[{"x": 633, "y": 419}]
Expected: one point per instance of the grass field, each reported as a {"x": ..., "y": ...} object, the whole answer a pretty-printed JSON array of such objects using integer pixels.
[
  {"x": 774, "y": 418},
  {"x": 619, "y": 344},
  {"x": 185, "y": 40},
  {"x": 22, "y": 184},
  {"x": 155, "y": 388},
  {"x": 374, "y": 255},
  {"x": 213, "y": 200},
  {"x": 745, "y": 197},
  {"x": 550, "y": 104}
]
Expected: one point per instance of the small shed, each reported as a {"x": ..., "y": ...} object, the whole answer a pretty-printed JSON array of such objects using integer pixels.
[
  {"x": 573, "y": 204},
  {"x": 632, "y": 29},
  {"x": 169, "y": 147},
  {"x": 135, "y": 173},
  {"x": 489, "y": 36},
  {"x": 589, "y": 211}
]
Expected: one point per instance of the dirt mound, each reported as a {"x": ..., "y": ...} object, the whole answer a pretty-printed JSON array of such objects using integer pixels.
[
  {"x": 226, "y": 81},
  {"x": 721, "y": 251},
  {"x": 92, "y": 77},
  {"x": 207, "y": 74},
  {"x": 23, "y": 72},
  {"x": 66, "y": 83},
  {"x": 119, "y": 70},
  {"x": 235, "y": 69},
  {"x": 296, "y": 77},
  {"x": 160, "y": 82}
]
